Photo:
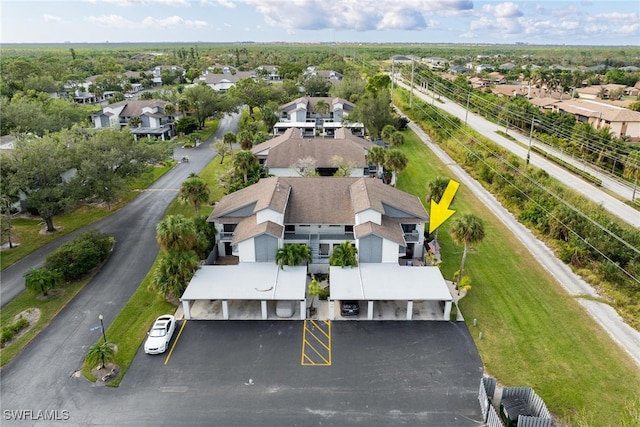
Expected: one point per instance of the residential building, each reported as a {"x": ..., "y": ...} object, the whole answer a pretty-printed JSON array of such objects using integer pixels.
[
  {"x": 280, "y": 155},
  {"x": 329, "y": 75},
  {"x": 621, "y": 121},
  {"x": 304, "y": 113},
  {"x": 153, "y": 121},
  {"x": 384, "y": 223}
]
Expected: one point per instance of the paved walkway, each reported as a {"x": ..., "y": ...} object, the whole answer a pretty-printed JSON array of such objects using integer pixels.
[{"x": 627, "y": 337}]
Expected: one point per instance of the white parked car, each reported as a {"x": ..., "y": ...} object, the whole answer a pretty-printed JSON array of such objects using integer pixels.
[{"x": 160, "y": 334}]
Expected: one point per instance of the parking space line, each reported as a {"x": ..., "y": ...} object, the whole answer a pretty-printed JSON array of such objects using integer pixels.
[
  {"x": 184, "y": 323},
  {"x": 316, "y": 343}
]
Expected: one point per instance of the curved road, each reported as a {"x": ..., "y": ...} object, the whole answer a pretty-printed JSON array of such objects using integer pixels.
[
  {"x": 40, "y": 375},
  {"x": 488, "y": 129}
]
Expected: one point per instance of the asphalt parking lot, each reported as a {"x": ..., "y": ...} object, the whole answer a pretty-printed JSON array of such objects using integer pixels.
[{"x": 254, "y": 373}]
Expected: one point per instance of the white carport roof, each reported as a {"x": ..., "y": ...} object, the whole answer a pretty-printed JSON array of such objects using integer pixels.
[
  {"x": 295, "y": 125},
  {"x": 247, "y": 281},
  {"x": 389, "y": 282}
]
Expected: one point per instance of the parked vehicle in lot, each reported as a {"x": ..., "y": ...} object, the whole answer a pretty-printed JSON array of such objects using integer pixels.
[
  {"x": 160, "y": 334},
  {"x": 349, "y": 308},
  {"x": 285, "y": 308}
]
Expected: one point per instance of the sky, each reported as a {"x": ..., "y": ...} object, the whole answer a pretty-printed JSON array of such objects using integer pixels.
[{"x": 578, "y": 22}]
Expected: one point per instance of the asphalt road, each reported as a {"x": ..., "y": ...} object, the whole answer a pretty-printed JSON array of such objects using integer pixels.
[
  {"x": 41, "y": 373},
  {"x": 249, "y": 373},
  {"x": 627, "y": 337},
  {"x": 612, "y": 204}
]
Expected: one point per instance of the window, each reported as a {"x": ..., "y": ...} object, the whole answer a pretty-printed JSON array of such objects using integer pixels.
[
  {"x": 289, "y": 228},
  {"x": 229, "y": 228},
  {"x": 324, "y": 249},
  {"x": 348, "y": 228}
]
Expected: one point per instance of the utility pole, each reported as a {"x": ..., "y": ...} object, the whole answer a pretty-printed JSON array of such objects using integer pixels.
[
  {"x": 393, "y": 76},
  {"x": 411, "y": 93},
  {"x": 533, "y": 120},
  {"x": 466, "y": 114}
]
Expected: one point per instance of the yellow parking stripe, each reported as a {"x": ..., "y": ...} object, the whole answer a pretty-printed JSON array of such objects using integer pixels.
[
  {"x": 184, "y": 323},
  {"x": 316, "y": 343}
]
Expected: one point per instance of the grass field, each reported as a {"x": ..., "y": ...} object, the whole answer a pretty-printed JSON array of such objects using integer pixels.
[{"x": 533, "y": 333}]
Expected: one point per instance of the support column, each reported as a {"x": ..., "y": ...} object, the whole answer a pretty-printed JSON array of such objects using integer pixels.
[
  {"x": 225, "y": 309},
  {"x": 186, "y": 307},
  {"x": 370, "y": 310},
  {"x": 332, "y": 311},
  {"x": 263, "y": 307},
  {"x": 447, "y": 310},
  {"x": 303, "y": 309},
  {"x": 409, "y": 310}
]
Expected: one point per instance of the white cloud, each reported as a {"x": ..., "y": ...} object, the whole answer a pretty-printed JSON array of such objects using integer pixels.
[
  {"x": 142, "y": 3},
  {"x": 111, "y": 21},
  {"x": 358, "y": 15},
  {"x": 218, "y": 3},
  {"x": 52, "y": 18},
  {"x": 503, "y": 10},
  {"x": 172, "y": 21}
]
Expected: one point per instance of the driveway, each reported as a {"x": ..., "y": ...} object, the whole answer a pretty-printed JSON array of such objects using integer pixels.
[
  {"x": 40, "y": 376},
  {"x": 251, "y": 374}
]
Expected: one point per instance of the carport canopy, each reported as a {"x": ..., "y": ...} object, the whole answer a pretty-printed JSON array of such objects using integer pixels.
[
  {"x": 388, "y": 281},
  {"x": 247, "y": 281}
]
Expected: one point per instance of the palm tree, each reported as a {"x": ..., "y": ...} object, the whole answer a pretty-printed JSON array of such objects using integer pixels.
[
  {"x": 321, "y": 107},
  {"x": 376, "y": 156},
  {"x": 344, "y": 255},
  {"x": 183, "y": 105},
  {"x": 386, "y": 133},
  {"x": 195, "y": 190},
  {"x": 244, "y": 161},
  {"x": 229, "y": 138},
  {"x": 169, "y": 109},
  {"x": 245, "y": 138},
  {"x": 174, "y": 271},
  {"x": 176, "y": 232},
  {"x": 135, "y": 121},
  {"x": 465, "y": 230},
  {"x": 292, "y": 255},
  {"x": 100, "y": 353},
  {"x": 395, "y": 161},
  {"x": 41, "y": 280},
  {"x": 396, "y": 138}
]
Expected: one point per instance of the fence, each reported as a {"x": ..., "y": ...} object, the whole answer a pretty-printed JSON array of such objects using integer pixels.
[{"x": 487, "y": 393}]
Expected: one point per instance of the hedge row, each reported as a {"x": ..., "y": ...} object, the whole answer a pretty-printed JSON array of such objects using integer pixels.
[{"x": 11, "y": 330}]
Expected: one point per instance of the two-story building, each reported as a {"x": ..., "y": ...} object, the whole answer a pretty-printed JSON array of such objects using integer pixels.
[
  {"x": 280, "y": 155},
  {"x": 153, "y": 120},
  {"x": 317, "y": 116},
  {"x": 385, "y": 224}
]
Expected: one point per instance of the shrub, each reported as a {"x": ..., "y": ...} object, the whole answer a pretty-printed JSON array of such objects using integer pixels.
[
  {"x": 11, "y": 330},
  {"x": 78, "y": 257}
]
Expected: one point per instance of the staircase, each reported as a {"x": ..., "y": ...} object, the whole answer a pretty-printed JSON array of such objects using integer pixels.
[{"x": 314, "y": 243}]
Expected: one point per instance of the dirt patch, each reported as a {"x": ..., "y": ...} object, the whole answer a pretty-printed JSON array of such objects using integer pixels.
[
  {"x": 107, "y": 374},
  {"x": 52, "y": 294},
  {"x": 55, "y": 230}
]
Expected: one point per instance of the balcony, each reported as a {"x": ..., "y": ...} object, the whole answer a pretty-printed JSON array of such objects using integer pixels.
[
  {"x": 412, "y": 237},
  {"x": 226, "y": 236}
]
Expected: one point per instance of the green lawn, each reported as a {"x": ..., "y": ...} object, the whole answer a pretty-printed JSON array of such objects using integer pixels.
[
  {"x": 129, "y": 328},
  {"x": 534, "y": 333},
  {"x": 27, "y": 230}
]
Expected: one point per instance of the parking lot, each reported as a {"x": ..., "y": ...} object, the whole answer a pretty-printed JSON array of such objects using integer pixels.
[{"x": 358, "y": 373}]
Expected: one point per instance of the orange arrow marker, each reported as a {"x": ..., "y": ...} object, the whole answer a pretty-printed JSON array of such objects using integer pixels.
[{"x": 440, "y": 212}]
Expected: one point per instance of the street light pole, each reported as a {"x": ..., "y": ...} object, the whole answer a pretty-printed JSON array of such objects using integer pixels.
[{"x": 102, "y": 326}]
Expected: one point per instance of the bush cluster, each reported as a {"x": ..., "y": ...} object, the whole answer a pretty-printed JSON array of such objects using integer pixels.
[
  {"x": 76, "y": 258},
  {"x": 11, "y": 330},
  {"x": 538, "y": 201}
]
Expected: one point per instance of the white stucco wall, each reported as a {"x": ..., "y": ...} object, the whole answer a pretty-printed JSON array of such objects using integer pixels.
[
  {"x": 269, "y": 215},
  {"x": 389, "y": 251},
  {"x": 247, "y": 251},
  {"x": 368, "y": 215}
]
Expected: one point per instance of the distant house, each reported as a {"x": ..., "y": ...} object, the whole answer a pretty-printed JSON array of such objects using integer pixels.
[
  {"x": 483, "y": 67},
  {"x": 328, "y": 75},
  {"x": 459, "y": 69},
  {"x": 157, "y": 72},
  {"x": 225, "y": 81},
  {"x": 280, "y": 154},
  {"x": 621, "y": 121},
  {"x": 303, "y": 113},
  {"x": 435, "y": 63},
  {"x": 153, "y": 120},
  {"x": 268, "y": 72},
  {"x": 404, "y": 59}
]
